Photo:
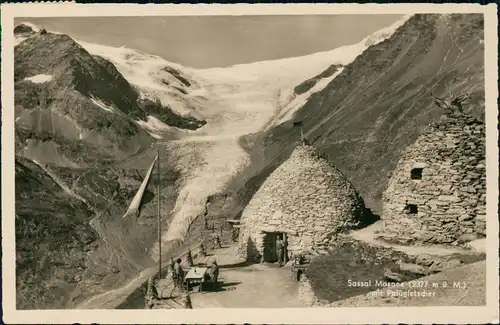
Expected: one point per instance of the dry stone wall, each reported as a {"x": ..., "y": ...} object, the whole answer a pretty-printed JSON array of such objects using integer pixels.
[
  {"x": 306, "y": 198},
  {"x": 437, "y": 193}
]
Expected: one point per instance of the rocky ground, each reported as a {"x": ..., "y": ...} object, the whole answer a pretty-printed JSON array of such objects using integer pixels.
[
  {"x": 333, "y": 276},
  {"x": 471, "y": 290},
  {"x": 52, "y": 239},
  {"x": 249, "y": 286}
]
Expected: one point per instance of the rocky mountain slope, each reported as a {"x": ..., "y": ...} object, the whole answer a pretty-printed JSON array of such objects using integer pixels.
[
  {"x": 73, "y": 106},
  {"x": 381, "y": 102},
  {"x": 76, "y": 117},
  {"x": 52, "y": 238}
]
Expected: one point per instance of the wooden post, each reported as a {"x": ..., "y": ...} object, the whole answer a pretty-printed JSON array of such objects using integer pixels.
[
  {"x": 187, "y": 301},
  {"x": 285, "y": 249},
  {"x": 190, "y": 258}
]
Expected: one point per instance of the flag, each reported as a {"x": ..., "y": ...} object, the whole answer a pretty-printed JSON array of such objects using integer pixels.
[{"x": 133, "y": 209}]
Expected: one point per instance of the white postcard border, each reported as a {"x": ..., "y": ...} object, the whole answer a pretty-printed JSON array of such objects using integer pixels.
[{"x": 353, "y": 315}]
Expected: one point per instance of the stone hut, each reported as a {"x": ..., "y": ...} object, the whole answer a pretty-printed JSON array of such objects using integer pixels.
[
  {"x": 306, "y": 201},
  {"x": 437, "y": 192}
]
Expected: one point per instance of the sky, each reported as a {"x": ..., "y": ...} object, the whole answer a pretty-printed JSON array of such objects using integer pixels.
[{"x": 220, "y": 41}]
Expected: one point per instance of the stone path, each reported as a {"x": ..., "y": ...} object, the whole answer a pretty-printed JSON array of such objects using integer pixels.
[{"x": 249, "y": 286}]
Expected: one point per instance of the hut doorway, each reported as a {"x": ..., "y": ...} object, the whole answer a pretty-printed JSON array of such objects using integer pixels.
[{"x": 270, "y": 252}]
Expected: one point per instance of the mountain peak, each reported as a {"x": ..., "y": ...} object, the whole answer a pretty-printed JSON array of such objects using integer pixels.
[{"x": 47, "y": 53}]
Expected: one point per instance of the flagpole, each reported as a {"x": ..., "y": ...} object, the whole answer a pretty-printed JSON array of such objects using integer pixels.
[{"x": 159, "y": 218}]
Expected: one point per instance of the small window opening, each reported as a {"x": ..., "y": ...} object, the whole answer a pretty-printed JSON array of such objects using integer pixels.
[
  {"x": 411, "y": 209},
  {"x": 416, "y": 173}
]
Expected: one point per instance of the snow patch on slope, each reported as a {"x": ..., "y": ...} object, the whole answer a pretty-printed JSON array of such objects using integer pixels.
[
  {"x": 39, "y": 78},
  {"x": 19, "y": 39},
  {"x": 154, "y": 124},
  {"x": 287, "y": 112},
  {"x": 99, "y": 103}
]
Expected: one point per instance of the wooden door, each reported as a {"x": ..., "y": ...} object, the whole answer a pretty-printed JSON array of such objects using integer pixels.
[{"x": 270, "y": 254}]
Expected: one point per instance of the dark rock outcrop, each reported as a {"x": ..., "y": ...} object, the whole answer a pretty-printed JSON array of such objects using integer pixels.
[
  {"x": 310, "y": 83},
  {"x": 22, "y": 29}
]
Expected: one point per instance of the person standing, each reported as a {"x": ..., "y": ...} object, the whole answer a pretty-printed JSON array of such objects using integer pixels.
[
  {"x": 285, "y": 249},
  {"x": 214, "y": 274},
  {"x": 150, "y": 294},
  {"x": 217, "y": 242},
  {"x": 179, "y": 274},
  {"x": 189, "y": 258},
  {"x": 172, "y": 268},
  {"x": 280, "y": 250}
]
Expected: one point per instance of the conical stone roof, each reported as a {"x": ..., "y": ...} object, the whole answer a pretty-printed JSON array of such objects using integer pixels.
[{"x": 307, "y": 198}]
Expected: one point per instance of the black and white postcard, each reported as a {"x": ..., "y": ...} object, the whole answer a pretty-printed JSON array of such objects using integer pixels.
[{"x": 271, "y": 164}]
